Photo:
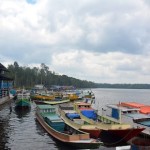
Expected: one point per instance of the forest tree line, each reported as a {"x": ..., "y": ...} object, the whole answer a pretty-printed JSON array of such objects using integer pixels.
[
  {"x": 27, "y": 77},
  {"x": 123, "y": 86}
]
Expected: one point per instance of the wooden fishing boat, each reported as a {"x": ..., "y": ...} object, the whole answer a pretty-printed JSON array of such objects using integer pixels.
[
  {"x": 73, "y": 119},
  {"x": 23, "y": 100},
  {"x": 73, "y": 96},
  {"x": 140, "y": 143},
  {"x": 49, "y": 96},
  {"x": 112, "y": 133},
  {"x": 133, "y": 113},
  {"x": 89, "y": 94},
  {"x": 56, "y": 127},
  {"x": 144, "y": 109},
  {"x": 43, "y": 97},
  {"x": 52, "y": 102}
]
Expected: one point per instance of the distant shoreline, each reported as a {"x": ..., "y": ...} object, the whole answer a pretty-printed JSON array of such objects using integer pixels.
[{"x": 123, "y": 86}]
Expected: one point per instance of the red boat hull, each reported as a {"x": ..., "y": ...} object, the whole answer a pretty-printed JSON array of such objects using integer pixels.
[
  {"x": 110, "y": 137},
  {"x": 93, "y": 133}
]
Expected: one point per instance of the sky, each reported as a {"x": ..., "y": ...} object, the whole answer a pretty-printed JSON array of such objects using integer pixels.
[{"x": 103, "y": 41}]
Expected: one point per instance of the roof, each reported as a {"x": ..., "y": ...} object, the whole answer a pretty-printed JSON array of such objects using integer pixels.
[
  {"x": 145, "y": 109},
  {"x": 3, "y": 67},
  {"x": 45, "y": 107},
  {"x": 145, "y": 123},
  {"x": 54, "y": 117},
  {"x": 122, "y": 108},
  {"x": 137, "y": 116},
  {"x": 132, "y": 104}
]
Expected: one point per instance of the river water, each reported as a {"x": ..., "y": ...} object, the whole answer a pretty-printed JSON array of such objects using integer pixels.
[{"x": 21, "y": 131}]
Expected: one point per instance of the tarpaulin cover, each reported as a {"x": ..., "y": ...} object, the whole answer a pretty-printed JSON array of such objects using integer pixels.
[
  {"x": 91, "y": 114},
  {"x": 145, "y": 109},
  {"x": 115, "y": 113},
  {"x": 73, "y": 115}
]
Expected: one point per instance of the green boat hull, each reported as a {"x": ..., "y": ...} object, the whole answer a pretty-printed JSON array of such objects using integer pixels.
[{"x": 23, "y": 103}]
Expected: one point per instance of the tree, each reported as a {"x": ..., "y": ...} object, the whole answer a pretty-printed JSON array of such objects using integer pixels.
[{"x": 28, "y": 77}]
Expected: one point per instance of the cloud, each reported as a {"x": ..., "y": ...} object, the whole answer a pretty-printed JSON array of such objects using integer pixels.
[
  {"x": 99, "y": 40},
  {"x": 112, "y": 67},
  {"x": 31, "y": 1}
]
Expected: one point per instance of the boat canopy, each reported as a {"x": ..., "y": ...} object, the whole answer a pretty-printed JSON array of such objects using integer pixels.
[
  {"x": 53, "y": 117},
  {"x": 123, "y": 108},
  {"x": 138, "y": 116},
  {"x": 145, "y": 109},
  {"x": 132, "y": 104},
  {"x": 145, "y": 123},
  {"x": 46, "y": 108}
]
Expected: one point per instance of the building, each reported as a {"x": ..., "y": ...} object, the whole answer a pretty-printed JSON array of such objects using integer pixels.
[{"x": 5, "y": 85}]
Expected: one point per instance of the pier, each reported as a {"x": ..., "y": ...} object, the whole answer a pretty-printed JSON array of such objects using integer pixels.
[{"x": 5, "y": 84}]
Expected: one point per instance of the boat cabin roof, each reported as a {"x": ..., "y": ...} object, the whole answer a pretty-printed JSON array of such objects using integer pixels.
[
  {"x": 123, "y": 109},
  {"x": 145, "y": 109},
  {"x": 137, "y": 116},
  {"x": 130, "y": 112},
  {"x": 23, "y": 95},
  {"x": 54, "y": 118},
  {"x": 132, "y": 104},
  {"x": 45, "y": 107}
]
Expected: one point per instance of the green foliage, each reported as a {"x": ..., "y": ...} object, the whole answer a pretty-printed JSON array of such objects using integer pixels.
[
  {"x": 123, "y": 86},
  {"x": 28, "y": 77}
]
